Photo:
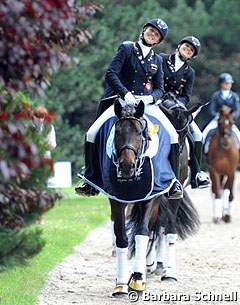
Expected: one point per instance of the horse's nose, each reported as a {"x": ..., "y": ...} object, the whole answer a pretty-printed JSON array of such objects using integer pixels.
[{"x": 127, "y": 168}]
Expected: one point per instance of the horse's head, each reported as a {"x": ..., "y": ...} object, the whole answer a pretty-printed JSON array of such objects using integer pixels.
[
  {"x": 177, "y": 113},
  {"x": 225, "y": 122},
  {"x": 129, "y": 137}
]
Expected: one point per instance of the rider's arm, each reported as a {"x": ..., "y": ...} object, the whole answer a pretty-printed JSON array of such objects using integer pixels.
[
  {"x": 114, "y": 69},
  {"x": 236, "y": 109},
  {"x": 187, "y": 88},
  {"x": 213, "y": 105}
]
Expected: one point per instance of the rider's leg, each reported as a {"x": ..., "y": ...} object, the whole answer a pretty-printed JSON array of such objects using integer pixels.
[
  {"x": 198, "y": 177},
  {"x": 176, "y": 190},
  {"x": 86, "y": 189}
]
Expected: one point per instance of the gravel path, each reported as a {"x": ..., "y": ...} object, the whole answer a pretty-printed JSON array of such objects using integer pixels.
[{"x": 208, "y": 267}]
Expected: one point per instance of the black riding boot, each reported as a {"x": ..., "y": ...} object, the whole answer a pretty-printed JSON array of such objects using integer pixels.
[
  {"x": 86, "y": 189},
  {"x": 175, "y": 191},
  {"x": 198, "y": 177}
]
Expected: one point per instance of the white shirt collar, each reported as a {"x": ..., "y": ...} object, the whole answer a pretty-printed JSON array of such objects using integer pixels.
[
  {"x": 178, "y": 62},
  {"x": 225, "y": 94},
  {"x": 145, "y": 49}
]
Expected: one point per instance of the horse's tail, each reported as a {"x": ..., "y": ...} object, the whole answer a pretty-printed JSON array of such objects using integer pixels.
[
  {"x": 160, "y": 211},
  {"x": 187, "y": 220}
]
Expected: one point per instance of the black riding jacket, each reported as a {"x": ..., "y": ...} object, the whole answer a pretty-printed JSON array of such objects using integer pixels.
[{"x": 180, "y": 82}]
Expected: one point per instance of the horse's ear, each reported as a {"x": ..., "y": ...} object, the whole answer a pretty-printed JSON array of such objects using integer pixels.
[
  {"x": 192, "y": 109},
  {"x": 140, "y": 110},
  {"x": 118, "y": 108}
]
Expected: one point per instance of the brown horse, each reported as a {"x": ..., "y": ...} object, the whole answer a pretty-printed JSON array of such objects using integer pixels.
[{"x": 223, "y": 158}]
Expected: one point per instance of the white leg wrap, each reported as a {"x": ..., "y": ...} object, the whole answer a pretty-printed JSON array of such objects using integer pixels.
[
  {"x": 140, "y": 254},
  {"x": 122, "y": 273},
  {"x": 217, "y": 208},
  {"x": 152, "y": 254},
  {"x": 225, "y": 201},
  {"x": 231, "y": 207},
  {"x": 170, "y": 261}
]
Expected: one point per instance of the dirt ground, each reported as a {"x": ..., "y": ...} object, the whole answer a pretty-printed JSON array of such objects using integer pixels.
[{"x": 208, "y": 266}]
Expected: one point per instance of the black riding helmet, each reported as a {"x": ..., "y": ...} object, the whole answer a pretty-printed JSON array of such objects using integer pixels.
[
  {"x": 194, "y": 42},
  {"x": 159, "y": 25}
]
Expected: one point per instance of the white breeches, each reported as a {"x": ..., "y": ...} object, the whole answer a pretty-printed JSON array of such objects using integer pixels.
[
  {"x": 196, "y": 132},
  {"x": 93, "y": 130},
  {"x": 214, "y": 124},
  {"x": 152, "y": 110}
]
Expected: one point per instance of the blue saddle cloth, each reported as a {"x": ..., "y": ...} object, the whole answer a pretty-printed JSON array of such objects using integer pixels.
[{"x": 154, "y": 178}]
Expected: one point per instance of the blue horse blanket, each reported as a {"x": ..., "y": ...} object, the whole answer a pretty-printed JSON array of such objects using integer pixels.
[{"x": 155, "y": 175}]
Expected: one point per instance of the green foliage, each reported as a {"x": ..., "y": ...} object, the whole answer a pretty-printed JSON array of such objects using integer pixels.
[
  {"x": 17, "y": 247},
  {"x": 77, "y": 90},
  {"x": 65, "y": 227}
]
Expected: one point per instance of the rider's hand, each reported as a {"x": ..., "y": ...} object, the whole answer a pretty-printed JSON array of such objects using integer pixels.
[
  {"x": 147, "y": 99},
  {"x": 130, "y": 99}
]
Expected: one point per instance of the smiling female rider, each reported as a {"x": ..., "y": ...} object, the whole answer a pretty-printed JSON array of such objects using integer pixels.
[
  {"x": 179, "y": 79},
  {"x": 134, "y": 74}
]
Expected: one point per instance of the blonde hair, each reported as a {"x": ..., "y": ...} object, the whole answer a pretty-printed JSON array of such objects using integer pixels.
[{"x": 40, "y": 112}]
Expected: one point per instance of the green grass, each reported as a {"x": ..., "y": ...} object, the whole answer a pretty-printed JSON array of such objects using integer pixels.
[{"x": 66, "y": 225}]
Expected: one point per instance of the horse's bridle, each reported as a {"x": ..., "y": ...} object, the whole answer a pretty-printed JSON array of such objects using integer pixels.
[{"x": 139, "y": 153}]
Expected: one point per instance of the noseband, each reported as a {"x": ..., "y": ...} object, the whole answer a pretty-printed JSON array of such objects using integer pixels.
[{"x": 138, "y": 152}]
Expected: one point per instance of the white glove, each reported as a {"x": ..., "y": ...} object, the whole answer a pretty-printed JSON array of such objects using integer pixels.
[
  {"x": 130, "y": 99},
  {"x": 147, "y": 99}
]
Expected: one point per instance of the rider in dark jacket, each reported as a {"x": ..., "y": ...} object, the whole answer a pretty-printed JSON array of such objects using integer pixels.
[
  {"x": 223, "y": 97},
  {"x": 134, "y": 74},
  {"x": 179, "y": 79}
]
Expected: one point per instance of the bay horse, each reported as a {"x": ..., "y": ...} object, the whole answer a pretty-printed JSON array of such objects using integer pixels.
[
  {"x": 184, "y": 220},
  {"x": 223, "y": 159},
  {"x": 176, "y": 216}
]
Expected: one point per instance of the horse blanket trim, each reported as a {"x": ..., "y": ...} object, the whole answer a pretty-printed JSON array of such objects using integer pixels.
[
  {"x": 148, "y": 197},
  {"x": 154, "y": 176}
]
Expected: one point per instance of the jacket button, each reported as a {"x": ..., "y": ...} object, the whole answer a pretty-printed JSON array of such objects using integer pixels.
[
  {"x": 135, "y": 71},
  {"x": 174, "y": 82},
  {"x": 167, "y": 77},
  {"x": 141, "y": 93},
  {"x": 132, "y": 91},
  {"x": 134, "y": 81},
  {"x": 144, "y": 84}
]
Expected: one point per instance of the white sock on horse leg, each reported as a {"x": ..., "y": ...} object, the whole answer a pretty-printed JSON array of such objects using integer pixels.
[
  {"x": 152, "y": 254},
  {"x": 217, "y": 208},
  {"x": 122, "y": 273},
  {"x": 140, "y": 254},
  {"x": 225, "y": 201},
  {"x": 161, "y": 248},
  {"x": 113, "y": 234},
  {"x": 170, "y": 258},
  {"x": 231, "y": 207}
]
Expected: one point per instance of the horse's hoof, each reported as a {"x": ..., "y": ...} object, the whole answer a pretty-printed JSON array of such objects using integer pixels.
[
  {"x": 216, "y": 220},
  {"x": 138, "y": 285},
  {"x": 159, "y": 270},
  {"x": 120, "y": 291},
  {"x": 169, "y": 279},
  {"x": 226, "y": 218},
  {"x": 169, "y": 275},
  {"x": 151, "y": 269}
]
